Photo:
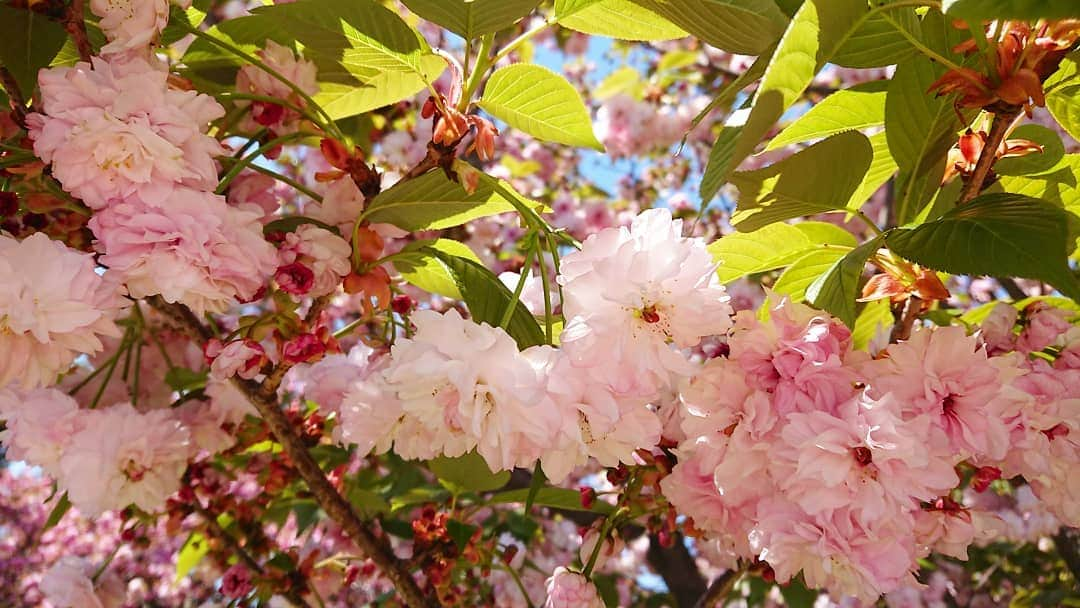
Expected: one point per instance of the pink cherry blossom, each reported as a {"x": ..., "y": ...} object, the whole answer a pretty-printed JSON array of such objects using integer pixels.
[
  {"x": 631, "y": 295},
  {"x": 566, "y": 589},
  {"x": 123, "y": 457},
  {"x": 244, "y": 358},
  {"x": 1044, "y": 325},
  {"x": 67, "y": 584},
  {"x": 40, "y": 423},
  {"x": 194, "y": 249},
  {"x": 115, "y": 129},
  {"x": 53, "y": 306},
  {"x": 322, "y": 252}
]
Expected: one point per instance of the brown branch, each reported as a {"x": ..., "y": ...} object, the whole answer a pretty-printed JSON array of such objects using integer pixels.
[
  {"x": 75, "y": 24},
  {"x": 264, "y": 398},
  {"x": 720, "y": 588},
  {"x": 1003, "y": 120},
  {"x": 677, "y": 567},
  {"x": 904, "y": 325},
  {"x": 15, "y": 96}
]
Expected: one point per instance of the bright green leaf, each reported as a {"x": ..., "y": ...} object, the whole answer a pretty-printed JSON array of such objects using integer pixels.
[
  {"x": 29, "y": 43},
  {"x": 882, "y": 167},
  {"x": 62, "y": 506},
  {"x": 194, "y": 550},
  {"x": 344, "y": 99},
  {"x": 876, "y": 317},
  {"x": 431, "y": 202},
  {"x": 467, "y": 473},
  {"x": 999, "y": 234},
  {"x": 620, "y": 19},
  {"x": 773, "y": 246},
  {"x": 737, "y": 26},
  {"x": 427, "y": 271},
  {"x": 860, "y": 107},
  {"x": 625, "y": 80},
  {"x": 472, "y": 18},
  {"x": 1063, "y": 95},
  {"x": 794, "y": 281},
  {"x": 797, "y": 185},
  {"x": 541, "y": 103},
  {"x": 836, "y": 290}
]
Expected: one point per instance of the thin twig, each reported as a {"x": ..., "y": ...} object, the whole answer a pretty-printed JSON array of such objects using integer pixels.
[
  {"x": 15, "y": 96},
  {"x": 75, "y": 24},
  {"x": 904, "y": 325},
  {"x": 1000, "y": 126},
  {"x": 720, "y": 588},
  {"x": 264, "y": 398}
]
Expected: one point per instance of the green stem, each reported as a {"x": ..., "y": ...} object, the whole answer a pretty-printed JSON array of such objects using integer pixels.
[
  {"x": 254, "y": 139},
  {"x": 549, "y": 334},
  {"x": 301, "y": 188},
  {"x": 124, "y": 345},
  {"x": 482, "y": 64},
  {"x": 105, "y": 564},
  {"x": 344, "y": 331},
  {"x": 247, "y": 160},
  {"x": 329, "y": 126},
  {"x": 521, "y": 586},
  {"x": 869, "y": 222},
  {"x": 605, "y": 529},
  {"x": 516, "y": 42},
  {"x": 526, "y": 268}
]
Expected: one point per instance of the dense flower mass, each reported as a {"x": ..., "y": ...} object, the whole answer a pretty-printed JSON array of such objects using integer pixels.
[{"x": 285, "y": 319}]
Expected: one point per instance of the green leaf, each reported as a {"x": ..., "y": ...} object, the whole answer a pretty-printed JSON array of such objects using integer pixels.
[
  {"x": 620, "y": 19},
  {"x": 1011, "y": 9},
  {"x": 1036, "y": 162},
  {"x": 625, "y": 80},
  {"x": 798, "y": 277},
  {"x": 367, "y": 502},
  {"x": 184, "y": 379},
  {"x": 998, "y": 234},
  {"x": 1060, "y": 185},
  {"x": 472, "y": 18},
  {"x": 920, "y": 127},
  {"x": 460, "y": 532},
  {"x": 737, "y": 26},
  {"x": 882, "y": 167},
  {"x": 468, "y": 473},
  {"x": 427, "y": 271},
  {"x": 1063, "y": 95},
  {"x": 815, "y": 32},
  {"x": 860, "y": 107},
  {"x": 796, "y": 595},
  {"x": 835, "y": 291},
  {"x": 291, "y": 223},
  {"x": 879, "y": 42},
  {"x": 194, "y": 550},
  {"x": 29, "y": 43},
  {"x": 875, "y": 317},
  {"x": 771, "y": 247},
  {"x": 539, "y": 102},
  {"x": 557, "y": 498},
  {"x": 344, "y": 99},
  {"x": 432, "y": 202},
  {"x": 62, "y": 506},
  {"x": 487, "y": 299},
  {"x": 797, "y": 185}
]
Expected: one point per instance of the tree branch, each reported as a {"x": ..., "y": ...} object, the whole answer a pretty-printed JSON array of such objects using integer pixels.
[
  {"x": 720, "y": 588},
  {"x": 676, "y": 566},
  {"x": 904, "y": 325},
  {"x": 264, "y": 398},
  {"x": 75, "y": 24},
  {"x": 15, "y": 96},
  {"x": 1000, "y": 126}
]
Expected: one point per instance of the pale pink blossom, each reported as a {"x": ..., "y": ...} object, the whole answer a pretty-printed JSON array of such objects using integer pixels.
[
  {"x": 342, "y": 204},
  {"x": 322, "y": 252},
  {"x": 115, "y": 129},
  {"x": 123, "y": 457},
  {"x": 996, "y": 330},
  {"x": 68, "y": 584},
  {"x": 254, "y": 80},
  {"x": 632, "y": 296},
  {"x": 256, "y": 192},
  {"x": 53, "y": 306},
  {"x": 369, "y": 416},
  {"x": 567, "y": 589},
  {"x": 39, "y": 423},
  {"x": 130, "y": 24},
  {"x": 194, "y": 249},
  {"x": 326, "y": 382},
  {"x": 1044, "y": 325}
]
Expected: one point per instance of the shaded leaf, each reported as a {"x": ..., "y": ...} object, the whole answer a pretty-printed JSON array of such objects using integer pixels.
[
  {"x": 467, "y": 473},
  {"x": 29, "y": 43},
  {"x": 878, "y": 41},
  {"x": 1036, "y": 162},
  {"x": 738, "y": 26},
  {"x": 1011, "y": 9},
  {"x": 472, "y": 18},
  {"x": 998, "y": 234},
  {"x": 836, "y": 290},
  {"x": 558, "y": 498},
  {"x": 1063, "y": 95},
  {"x": 428, "y": 271},
  {"x": 770, "y": 247},
  {"x": 875, "y": 317}
]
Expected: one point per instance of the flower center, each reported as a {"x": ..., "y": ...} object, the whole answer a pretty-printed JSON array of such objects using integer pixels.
[
  {"x": 649, "y": 314},
  {"x": 862, "y": 455}
]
